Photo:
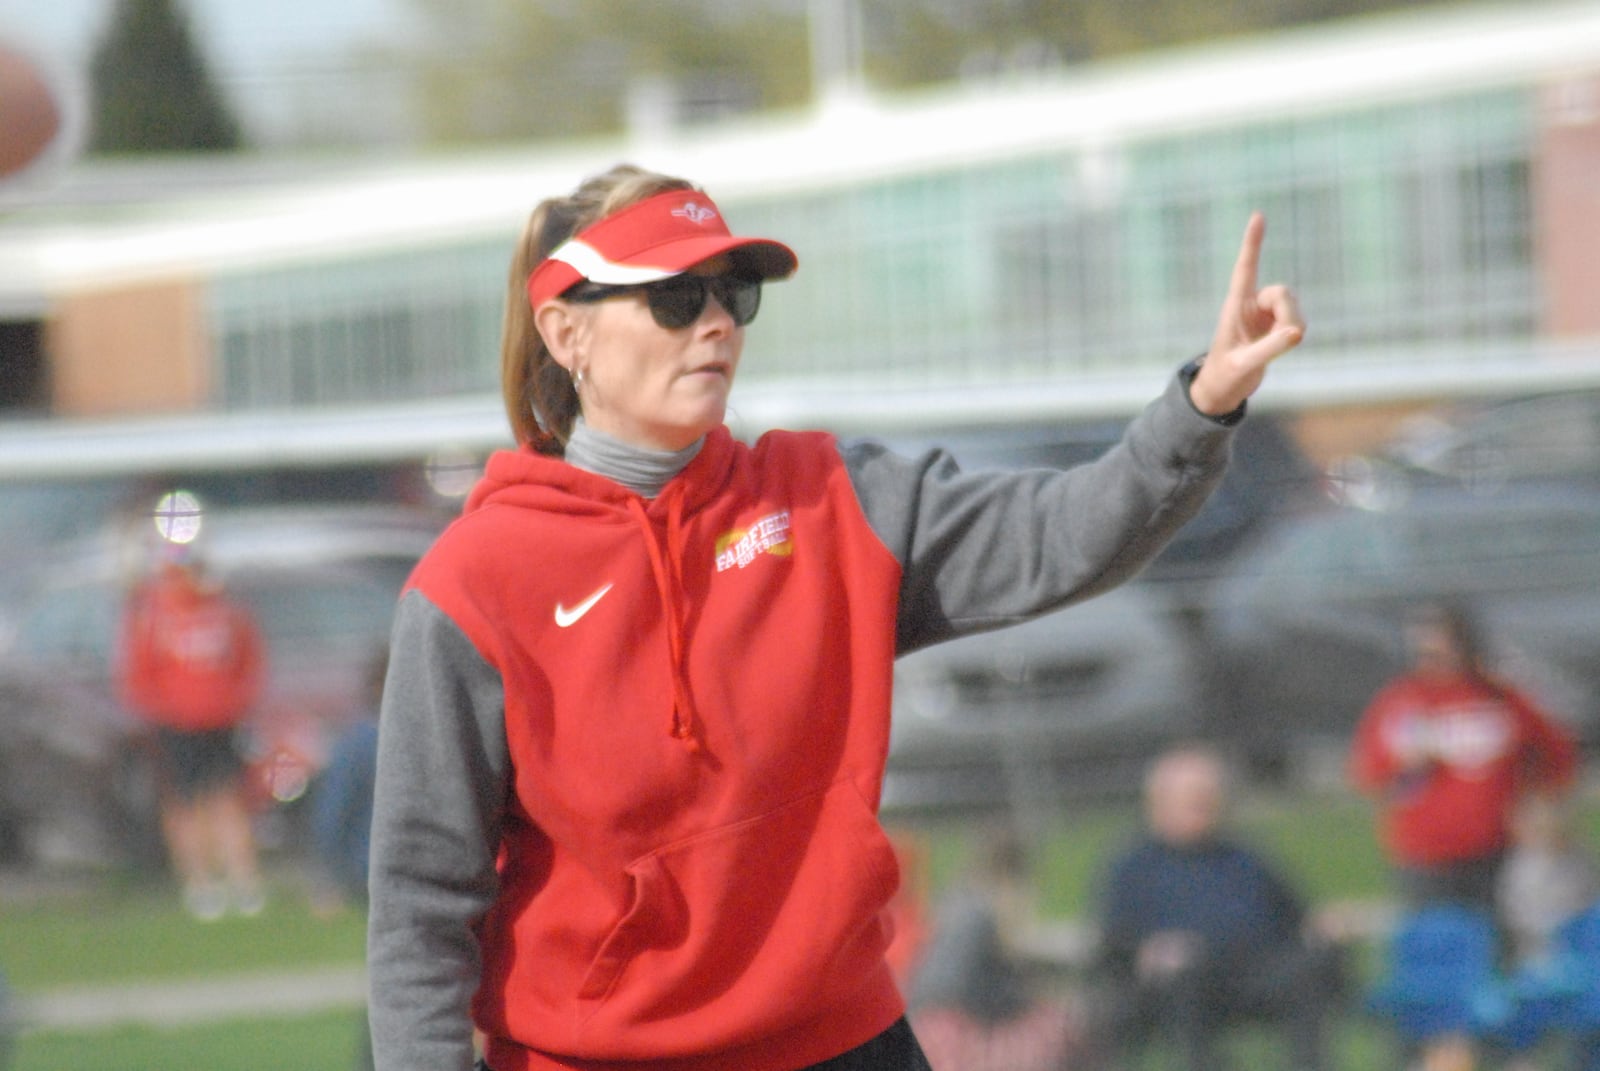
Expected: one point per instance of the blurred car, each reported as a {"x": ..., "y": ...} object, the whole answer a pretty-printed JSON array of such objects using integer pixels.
[
  {"x": 75, "y": 785},
  {"x": 1269, "y": 476},
  {"x": 38, "y": 516},
  {"x": 1068, "y": 706},
  {"x": 42, "y": 516},
  {"x": 1074, "y": 704},
  {"x": 1485, "y": 446},
  {"x": 1305, "y": 627}
]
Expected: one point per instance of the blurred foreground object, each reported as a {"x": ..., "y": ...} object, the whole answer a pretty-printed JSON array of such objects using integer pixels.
[{"x": 30, "y": 117}]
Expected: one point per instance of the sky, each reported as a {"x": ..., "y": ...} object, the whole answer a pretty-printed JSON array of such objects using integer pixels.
[{"x": 56, "y": 28}]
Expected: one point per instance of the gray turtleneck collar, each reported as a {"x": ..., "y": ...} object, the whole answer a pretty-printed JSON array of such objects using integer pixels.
[{"x": 638, "y": 468}]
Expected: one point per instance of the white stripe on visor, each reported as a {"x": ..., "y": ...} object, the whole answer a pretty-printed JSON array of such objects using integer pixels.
[{"x": 593, "y": 266}]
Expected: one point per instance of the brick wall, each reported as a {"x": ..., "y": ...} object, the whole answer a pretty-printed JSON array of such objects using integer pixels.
[{"x": 136, "y": 348}]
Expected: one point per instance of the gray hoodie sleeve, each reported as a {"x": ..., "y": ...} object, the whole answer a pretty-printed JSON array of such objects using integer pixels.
[
  {"x": 443, "y": 775},
  {"x": 980, "y": 550}
]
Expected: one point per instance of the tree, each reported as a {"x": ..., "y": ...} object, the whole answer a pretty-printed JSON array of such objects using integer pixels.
[
  {"x": 514, "y": 69},
  {"x": 151, "y": 90},
  {"x": 519, "y": 69},
  {"x": 918, "y": 42}
]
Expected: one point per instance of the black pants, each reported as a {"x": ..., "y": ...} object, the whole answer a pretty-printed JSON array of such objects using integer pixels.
[
  {"x": 1296, "y": 987},
  {"x": 895, "y": 1049},
  {"x": 1469, "y": 881}
]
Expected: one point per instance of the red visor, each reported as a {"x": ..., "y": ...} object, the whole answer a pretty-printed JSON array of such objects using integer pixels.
[{"x": 659, "y": 237}]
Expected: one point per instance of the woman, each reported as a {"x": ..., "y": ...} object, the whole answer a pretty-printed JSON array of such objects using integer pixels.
[
  {"x": 638, "y": 707},
  {"x": 1448, "y": 749},
  {"x": 192, "y": 664}
]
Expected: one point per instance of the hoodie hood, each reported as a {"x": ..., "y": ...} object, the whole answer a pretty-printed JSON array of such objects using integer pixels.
[
  {"x": 530, "y": 480},
  {"x": 525, "y": 479}
]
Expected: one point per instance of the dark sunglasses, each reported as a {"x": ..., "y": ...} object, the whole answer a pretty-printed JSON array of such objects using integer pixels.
[{"x": 679, "y": 300}]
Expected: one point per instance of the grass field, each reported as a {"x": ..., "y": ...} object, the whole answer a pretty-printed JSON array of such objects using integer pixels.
[
  {"x": 117, "y": 931},
  {"x": 114, "y": 932},
  {"x": 321, "y": 1042}
]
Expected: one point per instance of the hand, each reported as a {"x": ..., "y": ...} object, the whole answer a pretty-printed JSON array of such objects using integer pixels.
[
  {"x": 1255, "y": 328},
  {"x": 1164, "y": 954}
]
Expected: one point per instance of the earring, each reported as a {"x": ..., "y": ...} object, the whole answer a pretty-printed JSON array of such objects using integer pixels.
[{"x": 577, "y": 381}]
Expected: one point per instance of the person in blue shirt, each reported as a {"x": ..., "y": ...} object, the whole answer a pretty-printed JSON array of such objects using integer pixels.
[
  {"x": 341, "y": 816},
  {"x": 1197, "y": 930},
  {"x": 342, "y": 812}
]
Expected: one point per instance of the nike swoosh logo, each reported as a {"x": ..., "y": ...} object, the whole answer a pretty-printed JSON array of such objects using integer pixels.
[{"x": 566, "y": 618}]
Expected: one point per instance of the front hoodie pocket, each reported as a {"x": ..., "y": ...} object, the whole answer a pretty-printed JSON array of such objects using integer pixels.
[{"x": 748, "y": 928}]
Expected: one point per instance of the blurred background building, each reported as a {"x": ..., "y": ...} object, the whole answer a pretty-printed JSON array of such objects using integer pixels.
[{"x": 1035, "y": 245}]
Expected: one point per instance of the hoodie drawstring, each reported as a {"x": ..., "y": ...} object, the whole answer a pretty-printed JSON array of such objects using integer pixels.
[{"x": 664, "y": 564}]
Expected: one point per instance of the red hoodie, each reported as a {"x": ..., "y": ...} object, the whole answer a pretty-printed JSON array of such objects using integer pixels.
[
  {"x": 683, "y": 870},
  {"x": 632, "y": 748},
  {"x": 1482, "y": 746},
  {"x": 192, "y": 658}
]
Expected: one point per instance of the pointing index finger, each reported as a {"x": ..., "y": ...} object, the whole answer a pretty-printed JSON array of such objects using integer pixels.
[{"x": 1243, "y": 285}]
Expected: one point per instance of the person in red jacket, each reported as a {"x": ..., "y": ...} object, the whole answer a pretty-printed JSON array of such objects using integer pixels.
[
  {"x": 1448, "y": 749},
  {"x": 192, "y": 663},
  {"x": 636, "y": 717}
]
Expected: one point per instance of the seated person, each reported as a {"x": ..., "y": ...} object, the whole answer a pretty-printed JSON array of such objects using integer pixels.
[
  {"x": 975, "y": 1002},
  {"x": 1197, "y": 931},
  {"x": 1548, "y": 878}
]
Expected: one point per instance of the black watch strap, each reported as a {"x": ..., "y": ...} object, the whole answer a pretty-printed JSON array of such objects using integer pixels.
[{"x": 1187, "y": 373}]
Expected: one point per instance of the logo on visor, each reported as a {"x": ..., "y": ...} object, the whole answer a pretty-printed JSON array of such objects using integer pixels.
[
  {"x": 696, "y": 213},
  {"x": 740, "y": 547}
]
